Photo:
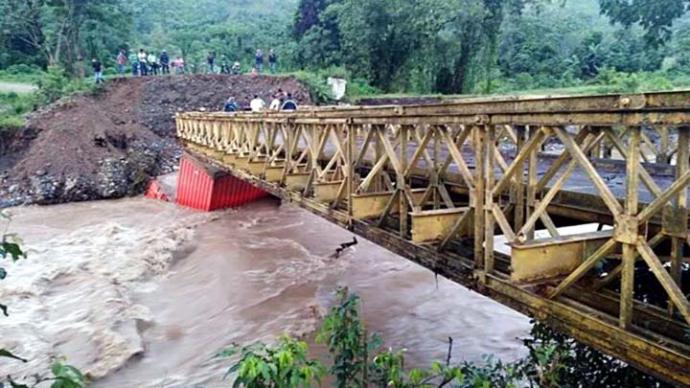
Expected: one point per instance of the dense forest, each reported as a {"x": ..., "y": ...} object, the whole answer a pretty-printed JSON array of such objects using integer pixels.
[{"x": 413, "y": 46}]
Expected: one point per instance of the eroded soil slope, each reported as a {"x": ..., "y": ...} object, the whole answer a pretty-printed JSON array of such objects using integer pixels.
[{"x": 109, "y": 144}]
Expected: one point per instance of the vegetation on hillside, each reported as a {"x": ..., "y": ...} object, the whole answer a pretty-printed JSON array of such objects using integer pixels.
[{"x": 401, "y": 46}]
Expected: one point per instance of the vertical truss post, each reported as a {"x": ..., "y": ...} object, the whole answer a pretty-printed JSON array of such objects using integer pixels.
[
  {"x": 436, "y": 180},
  {"x": 289, "y": 138},
  {"x": 519, "y": 201},
  {"x": 626, "y": 224},
  {"x": 350, "y": 159},
  {"x": 663, "y": 152},
  {"x": 379, "y": 184},
  {"x": 477, "y": 202},
  {"x": 532, "y": 182},
  {"x": 490, "y": 178},
  {"x": 680, "y": 209},
  {"x": 401, "y": 181}
]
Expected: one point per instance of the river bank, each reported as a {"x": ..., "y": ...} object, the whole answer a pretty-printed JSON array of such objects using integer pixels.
[
  {"x": 142, "y": 293},
  {"x": 110, "y": 143}
]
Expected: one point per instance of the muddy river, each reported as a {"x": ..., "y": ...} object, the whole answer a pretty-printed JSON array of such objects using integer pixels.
[{"x": 140, "y": 293}]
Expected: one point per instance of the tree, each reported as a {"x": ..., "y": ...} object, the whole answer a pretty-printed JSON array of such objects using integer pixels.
[
  {"x": 656, "y": 16},
  {"x": 62, "y": 31}
]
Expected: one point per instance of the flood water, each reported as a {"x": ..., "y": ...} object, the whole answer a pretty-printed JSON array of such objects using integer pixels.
[{"x": 140, "y": 293}]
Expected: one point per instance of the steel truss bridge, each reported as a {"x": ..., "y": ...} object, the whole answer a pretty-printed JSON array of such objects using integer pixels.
[{"x": 572, "y": 210}]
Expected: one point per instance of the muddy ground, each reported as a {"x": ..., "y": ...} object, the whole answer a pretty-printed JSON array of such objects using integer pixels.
[{"x": 109, "y": 144}]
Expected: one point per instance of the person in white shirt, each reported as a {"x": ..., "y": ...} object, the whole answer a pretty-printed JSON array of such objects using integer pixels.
[
  {"x": 143, "y": 65},
  {"x": 277, "y": 101},
  {"x": 257, "y": 104}
]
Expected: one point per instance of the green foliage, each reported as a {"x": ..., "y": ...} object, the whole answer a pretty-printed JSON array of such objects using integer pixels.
[
  {"x": 554, "y": 360},
  {"x": 317, "y": 83},
  {"x": 344, "y": 334},
  {"x": 14, "y": 107},
  {"x": 358, "y": 88},
  {"x": 554, "y": 357},
  {"x": 22, "y": 73},
  {"x": 284, "y": 365},
  {"x": 66, "y": 376},
  {"x": 56, "y": 84},
  {"x": 48, "y": 32},
  {"x": 427, "y": 46},
  {"x": 62, "y": 376},
  {"x": 388, "y": 370},
  {"x": 656, "y": 16}
]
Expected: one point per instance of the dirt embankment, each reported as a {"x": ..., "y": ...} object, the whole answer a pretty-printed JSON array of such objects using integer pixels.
[{"x": 109, "y": 144}]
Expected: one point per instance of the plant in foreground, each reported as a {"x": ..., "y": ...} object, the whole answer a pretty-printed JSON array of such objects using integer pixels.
[
  {"x": 281, "y": 366},
  {"x": 554, "y": 360}
]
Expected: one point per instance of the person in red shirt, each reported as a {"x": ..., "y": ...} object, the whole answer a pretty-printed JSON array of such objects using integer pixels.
[{"x": 121, "y": 62}]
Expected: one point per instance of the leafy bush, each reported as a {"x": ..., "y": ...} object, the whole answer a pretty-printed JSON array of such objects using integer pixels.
[
  {"x": 554, "y": 360},
  {"x": 360, "y": 88},
  {"x": 284, "y": 365},
  {"x": 56, "y": 84},
  {"x": 14, "y": 107},
  {"x": 320, "y": 91},
  {"x": 346, "y": 338}
]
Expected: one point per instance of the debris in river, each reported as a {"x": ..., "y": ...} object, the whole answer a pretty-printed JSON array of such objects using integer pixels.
[{"x": 343, "y": 247}]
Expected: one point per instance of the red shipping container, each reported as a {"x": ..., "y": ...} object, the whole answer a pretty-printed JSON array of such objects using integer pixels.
[{"x": 207, "y": 188}]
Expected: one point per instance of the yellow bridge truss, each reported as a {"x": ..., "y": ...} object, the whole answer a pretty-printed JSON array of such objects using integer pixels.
[{"x": 486, "y": 192}]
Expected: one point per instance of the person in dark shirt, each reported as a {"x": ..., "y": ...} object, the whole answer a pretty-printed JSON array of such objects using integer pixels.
[
  {"x": 259, "y": 61},
  {"x": 97, "y": 71},
  {"x": 272, "y": 61},
  {"x": 211, "y": 60},
  {"x": 289, "y": 104},
  {"x": 230, "y": 105},
  {"x": 165, "y": 62}
]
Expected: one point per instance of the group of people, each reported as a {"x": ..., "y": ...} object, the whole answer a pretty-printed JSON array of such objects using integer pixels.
[
  {"x": 236, "y": 68},
  {"x": 143, "y": 63},
  {"x": 281, "y": 102},
  {"x": 259, "y": 61}
]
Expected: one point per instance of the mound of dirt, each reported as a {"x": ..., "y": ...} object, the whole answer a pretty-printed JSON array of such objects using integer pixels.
[{"x": 109, "y": 144}]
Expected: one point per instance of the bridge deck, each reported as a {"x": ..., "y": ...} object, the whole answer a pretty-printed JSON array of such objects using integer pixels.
[{"x": 449, "y": 185}]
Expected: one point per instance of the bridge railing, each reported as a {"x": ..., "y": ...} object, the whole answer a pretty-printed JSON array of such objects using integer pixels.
[{"x": 562, "y": 197}]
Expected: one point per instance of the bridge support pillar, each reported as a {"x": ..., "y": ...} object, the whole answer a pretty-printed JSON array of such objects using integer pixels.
[{"x": 206, "y": 188}]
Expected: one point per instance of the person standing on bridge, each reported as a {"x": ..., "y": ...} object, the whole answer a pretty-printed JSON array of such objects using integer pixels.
[
  {"x": 259, "y": 61},
  {"x": 277, "y": 101},
  {"x": 121, "y": 62},
  {"x": 97, "y": 71},
  {"x": 165, "y": 62},
  {"x": 289, "y": 104},
  {"x": 272, "y": 61},
  {"x": 230, "y": 105},
  {"x": 257, "y": 104}
]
